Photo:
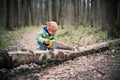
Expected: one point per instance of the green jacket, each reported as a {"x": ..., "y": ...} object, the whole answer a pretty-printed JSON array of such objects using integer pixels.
[{"x": 44, "y": 35}]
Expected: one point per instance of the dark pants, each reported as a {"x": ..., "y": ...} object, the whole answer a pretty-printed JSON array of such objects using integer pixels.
[{"x": 43, "y": 47}]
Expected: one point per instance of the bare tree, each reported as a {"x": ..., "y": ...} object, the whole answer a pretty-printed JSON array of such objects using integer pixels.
[
  {"x": 54, "y": 17},
  {"x": 3, "y": 13},
  {"x": 111, "y": 18}
]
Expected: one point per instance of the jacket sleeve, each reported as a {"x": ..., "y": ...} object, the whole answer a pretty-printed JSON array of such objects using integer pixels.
[
  {"x": 40, "y": 37},
  {"x": 54, "y": 39}
]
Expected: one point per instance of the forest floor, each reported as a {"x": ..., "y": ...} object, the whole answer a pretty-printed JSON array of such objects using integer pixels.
[
  {"x": 26, "y": 41},
  {"x": 80, "y": 37},
  {"x": 97, "y": 66}
]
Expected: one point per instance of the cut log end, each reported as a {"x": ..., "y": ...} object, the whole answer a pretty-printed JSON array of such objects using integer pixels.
[{"x": 5, "y": 60}]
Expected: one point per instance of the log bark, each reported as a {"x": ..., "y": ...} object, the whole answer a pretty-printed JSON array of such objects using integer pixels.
[
  {"x": 5, "y": 60},
  {"x": 41, "y": 57}
]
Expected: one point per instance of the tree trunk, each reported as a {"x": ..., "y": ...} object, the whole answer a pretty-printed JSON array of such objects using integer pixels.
[
  {"x": 103, "y": 15},
  {"x": 5, "y": 60},
  {"x": 3, "y": 13},
  {"x": 42, "y": 57},
  {"x": 118, "y": 20},
  {"x": 16, "y": 17},
  {"x": 88, "y": 13},
  {"x": 111, "y": 18},
  {"x": 8, "y": 15},
  {"x": 93, "y": 13},
  {"x": 54, "y": 17}
]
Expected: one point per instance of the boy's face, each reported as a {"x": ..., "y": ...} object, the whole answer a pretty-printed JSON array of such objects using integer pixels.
[
  {"x": 52, "y": 30},
  {"x": 52, "y": 27}
]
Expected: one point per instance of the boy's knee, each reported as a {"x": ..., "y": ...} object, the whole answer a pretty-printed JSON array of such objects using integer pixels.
[{"x": 41, "y": 46}]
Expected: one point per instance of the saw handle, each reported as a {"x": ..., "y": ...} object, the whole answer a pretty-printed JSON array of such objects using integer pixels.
[{"x": 48, "y": 43}]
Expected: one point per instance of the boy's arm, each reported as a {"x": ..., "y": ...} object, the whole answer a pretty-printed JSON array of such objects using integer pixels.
[
  {"x": 40, "y": 37},
  {"x": 53, "y": 38}
]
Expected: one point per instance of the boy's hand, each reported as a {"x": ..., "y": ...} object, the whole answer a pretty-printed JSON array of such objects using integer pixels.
[{"x": 46, "y": 42}]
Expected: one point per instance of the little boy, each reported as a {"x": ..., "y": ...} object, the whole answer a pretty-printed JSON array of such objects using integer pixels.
[{"x": 46, "y": 34}]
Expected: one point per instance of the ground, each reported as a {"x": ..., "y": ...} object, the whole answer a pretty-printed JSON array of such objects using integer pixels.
[
  {"x": 26, "y": 41},
  {"x": 97, "y": 66}
]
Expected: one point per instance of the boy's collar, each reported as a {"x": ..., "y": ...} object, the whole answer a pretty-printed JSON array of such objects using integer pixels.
[{"x": 45, "y": 28}]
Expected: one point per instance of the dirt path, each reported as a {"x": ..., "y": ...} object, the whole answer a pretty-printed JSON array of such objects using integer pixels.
[{"x": 26, "y": 41}]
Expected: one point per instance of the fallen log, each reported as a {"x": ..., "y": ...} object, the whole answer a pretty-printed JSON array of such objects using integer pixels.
[
  {"x": 41, "y": 57},
  {"x": 5, "y": 60}
]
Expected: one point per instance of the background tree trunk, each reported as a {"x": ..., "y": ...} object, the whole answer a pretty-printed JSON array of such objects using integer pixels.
[
  {"x": 16, "y": 17},
  {"x": 103, "y": 15},
  {"x": 8, "y": 11},
  {"x": 3, "y": 9},
  {"x": 54, "y": 17},
  {"x": 111, "y": 18}
]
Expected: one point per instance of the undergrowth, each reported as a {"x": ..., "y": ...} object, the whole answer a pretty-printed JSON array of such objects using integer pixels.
[
  {"x": 82, "y": 35},
  {"x": 114, "y": 48}
]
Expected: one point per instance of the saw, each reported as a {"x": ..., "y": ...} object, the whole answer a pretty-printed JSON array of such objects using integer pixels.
[{"x": 57, "y": 45}]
